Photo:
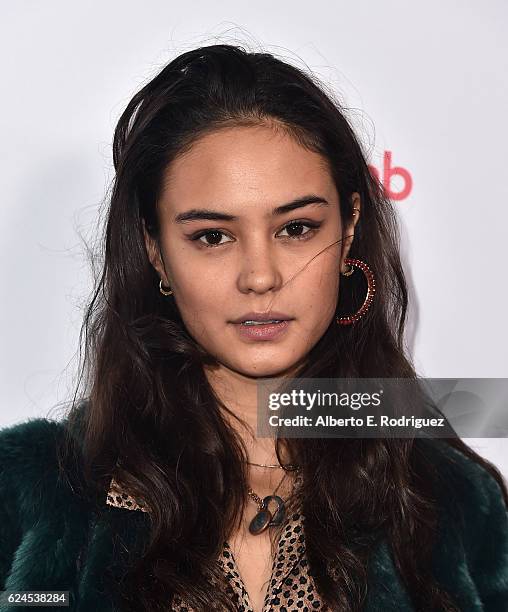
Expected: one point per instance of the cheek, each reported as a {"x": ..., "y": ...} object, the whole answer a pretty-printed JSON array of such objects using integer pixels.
[
  {"x": 317, "y": 302},
  {"x": 318, "y": 287},
  {"x": 202, "y": 303}
]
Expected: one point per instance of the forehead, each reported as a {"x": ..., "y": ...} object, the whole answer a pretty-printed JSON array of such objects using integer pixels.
[{"x": 238, "y": 168}]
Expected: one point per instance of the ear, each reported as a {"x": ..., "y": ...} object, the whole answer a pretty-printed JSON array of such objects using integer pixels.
[
  {"x": 348, "y": 230},
  {"x": 154, "y": 254}
]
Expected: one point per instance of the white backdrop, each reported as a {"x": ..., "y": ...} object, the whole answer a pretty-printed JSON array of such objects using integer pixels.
[{"x": 427, "y": 85}]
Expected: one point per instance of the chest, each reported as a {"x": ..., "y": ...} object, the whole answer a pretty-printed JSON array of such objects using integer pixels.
[{"x": 253, "y": 561}]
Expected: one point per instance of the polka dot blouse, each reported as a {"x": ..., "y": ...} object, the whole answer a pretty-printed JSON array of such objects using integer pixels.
[{"x": 290, "y": 587}]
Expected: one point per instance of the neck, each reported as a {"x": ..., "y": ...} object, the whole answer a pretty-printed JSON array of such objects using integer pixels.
[{"x": 239, "y": 393}]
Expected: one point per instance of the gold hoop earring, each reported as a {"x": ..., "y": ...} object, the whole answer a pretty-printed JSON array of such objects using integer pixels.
[
  {"x": 371, "y": 289},
  {"x": 164, "y": 291}
]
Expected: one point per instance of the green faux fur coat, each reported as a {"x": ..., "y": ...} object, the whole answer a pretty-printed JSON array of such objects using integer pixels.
[{"x": 50, "y": 540}]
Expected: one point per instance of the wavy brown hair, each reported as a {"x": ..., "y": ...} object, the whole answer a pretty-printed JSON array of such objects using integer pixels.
[{"x": 152, "y": 418}]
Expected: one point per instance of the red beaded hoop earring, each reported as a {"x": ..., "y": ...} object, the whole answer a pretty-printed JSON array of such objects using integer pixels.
[{"x": 371, "y": 289}]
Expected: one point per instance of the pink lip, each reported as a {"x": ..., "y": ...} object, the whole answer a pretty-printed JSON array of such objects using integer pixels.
[
  {"x": 271, "y": 315},
  {"x": 267, "y": 331}
]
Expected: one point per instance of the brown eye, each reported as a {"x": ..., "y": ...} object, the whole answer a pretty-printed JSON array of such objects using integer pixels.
[
  {"x": 295, "y": 229},
  {"x": 212, "y": 238}
]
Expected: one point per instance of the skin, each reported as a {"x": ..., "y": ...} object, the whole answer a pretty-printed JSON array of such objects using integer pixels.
[{"x": 258, "y": 264}]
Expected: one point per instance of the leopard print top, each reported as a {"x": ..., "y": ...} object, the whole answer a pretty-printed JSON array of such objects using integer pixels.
[{"x": 290, "y": 588}]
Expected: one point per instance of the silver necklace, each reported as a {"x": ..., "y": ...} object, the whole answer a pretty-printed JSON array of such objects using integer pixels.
[{"x": 264, "y": 518}]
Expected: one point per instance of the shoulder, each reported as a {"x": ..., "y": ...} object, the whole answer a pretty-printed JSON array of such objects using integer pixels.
[
  {"x": 28, "y": 447},
  {"x": 29, "y": 440},
  {"x": 43, "y": 514},
  {"x": 28, "y": 477},
  {"x": 466, "y": 488},
  {"x": 473, "y": 530},
  {"x": 30, "y": 467},
  {"x": 464, "y": 481}
]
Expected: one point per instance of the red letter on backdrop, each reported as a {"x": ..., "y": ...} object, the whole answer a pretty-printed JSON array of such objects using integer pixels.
[{"x": 388, "y": 172}]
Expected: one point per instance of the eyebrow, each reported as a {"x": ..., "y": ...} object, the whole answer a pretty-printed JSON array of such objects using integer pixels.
[{"x": 213, "y": 215}]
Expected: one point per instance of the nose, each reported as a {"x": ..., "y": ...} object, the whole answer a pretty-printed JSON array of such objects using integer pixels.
[{"x": 259, "y": 271}]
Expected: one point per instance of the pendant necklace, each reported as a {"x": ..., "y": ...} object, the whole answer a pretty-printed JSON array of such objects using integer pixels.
[
  {"x": 264, "y": 518},
  {"x": 291, "y": 467}
]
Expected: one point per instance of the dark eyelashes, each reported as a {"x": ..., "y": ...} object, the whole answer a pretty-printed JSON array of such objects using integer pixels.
[{"x": 312, "y": 225}]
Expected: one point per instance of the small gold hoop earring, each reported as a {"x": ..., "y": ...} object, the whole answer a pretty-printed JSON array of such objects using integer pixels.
[
  {"x": 348, "y": 272},
  {"x": 164, "y": 291}
]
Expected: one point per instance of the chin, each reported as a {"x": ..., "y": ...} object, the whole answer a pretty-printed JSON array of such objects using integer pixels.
[{"x": 265, "y": 369}]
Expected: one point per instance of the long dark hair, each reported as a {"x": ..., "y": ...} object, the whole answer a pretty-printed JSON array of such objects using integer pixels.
[{"x": 153, "y": 419}]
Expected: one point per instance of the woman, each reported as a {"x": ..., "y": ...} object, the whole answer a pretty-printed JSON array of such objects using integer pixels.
[{"x": 245, "y": 239}]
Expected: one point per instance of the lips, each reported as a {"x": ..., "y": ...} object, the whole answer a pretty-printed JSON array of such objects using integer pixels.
[
  {"x": 263, "y": 331},
  {"x": 262, "y": 317}
]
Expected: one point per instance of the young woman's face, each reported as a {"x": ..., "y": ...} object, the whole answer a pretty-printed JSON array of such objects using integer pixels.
[{"x": 227, "y": 251}]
